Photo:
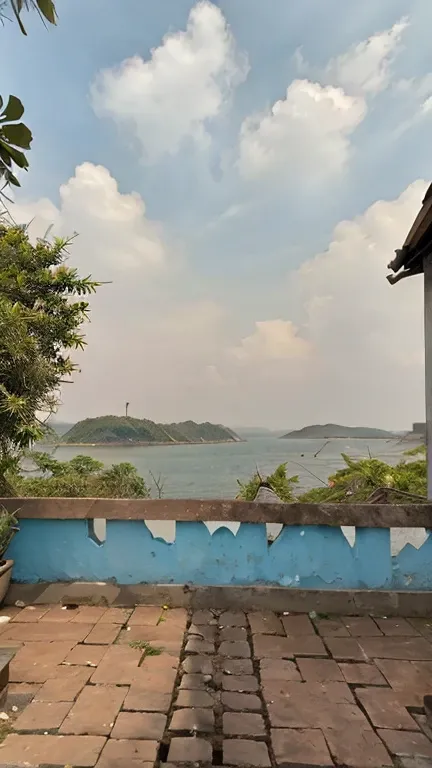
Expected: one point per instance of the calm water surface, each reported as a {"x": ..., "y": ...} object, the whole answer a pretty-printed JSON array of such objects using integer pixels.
[{"x": 211, "y": 471}]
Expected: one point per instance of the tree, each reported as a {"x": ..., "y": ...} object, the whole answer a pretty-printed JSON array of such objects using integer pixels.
[
  {"x": 14, "y": 135},
  {"x": 364, "y": 480},
  {"x": 41, "y": 313},
  {"x": 82, "y": 476},
  {"x": 278, "y": 482},
  {"x": 371, "y": 479}
]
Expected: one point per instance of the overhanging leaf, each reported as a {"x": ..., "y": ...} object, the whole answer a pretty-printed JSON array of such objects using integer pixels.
[
  {"x": 14, "y": 109},
  {"x": 17, "y": 134},
  {"x": 18, "y": 157},
  {"x": 11, "y": 179},
  {"x": 47, "y": 9}
]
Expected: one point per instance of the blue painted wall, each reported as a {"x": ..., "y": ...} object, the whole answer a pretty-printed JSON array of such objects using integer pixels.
[{"x": 313, "y": 557}]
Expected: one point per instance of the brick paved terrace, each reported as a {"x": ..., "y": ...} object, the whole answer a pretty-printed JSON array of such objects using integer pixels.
[{"x": 117, "y": 688}]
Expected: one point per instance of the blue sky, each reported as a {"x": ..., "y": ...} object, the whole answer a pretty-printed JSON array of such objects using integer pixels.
[{"x": 247, "y": 131}]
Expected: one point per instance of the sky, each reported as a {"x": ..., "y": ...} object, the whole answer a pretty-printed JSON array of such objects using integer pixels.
[{"x": 238, "y": 175}]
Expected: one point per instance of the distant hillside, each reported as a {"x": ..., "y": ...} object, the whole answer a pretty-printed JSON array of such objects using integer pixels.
[
  {"x": 252, "y": 432},
  {"x": 127, "y": 430},
  {"x": 325, "y": 431}
]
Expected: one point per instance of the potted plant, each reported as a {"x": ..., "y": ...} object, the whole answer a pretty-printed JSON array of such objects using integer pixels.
[{"x": 8, "y": 528}]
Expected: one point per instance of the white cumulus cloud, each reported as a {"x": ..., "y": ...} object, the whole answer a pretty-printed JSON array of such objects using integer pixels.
[
  {"x": 272, "y": 340},
  {"x": 307, "y": 132},
  {"x": 367, "y": 66},
  {"x": 112, "y": 227},
  {"x": 175, "y": 93}
]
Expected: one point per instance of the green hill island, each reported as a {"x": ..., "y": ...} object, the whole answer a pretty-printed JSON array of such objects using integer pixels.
[
  {"x": 125, "y": 430},
  {"x": 327, "y": 431}
]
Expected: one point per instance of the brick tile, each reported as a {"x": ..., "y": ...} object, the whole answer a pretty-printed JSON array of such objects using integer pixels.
[
  {"x": 142, "y": 700},
  {"x": 46, "y": 631},
  {"x": 331, "y": 692},
  {"x": 232, "y": 619},
  {"x": 52, "y": 750},
  {"x": 22, "y": 693},
  {"x": 11, "y": 611},
  {"x": 424, "y": 626},
  {"x": 409, "y": 679},
  {"x": 361, "y": 626},
  {"x": 194, "y": 682},
  {"x": 345, "y": 649},
  {"x": 159, "y": 680},
  {"x": 238, "y": 650},
  {"x": 410, "y": 648},
  {"x": 103, "y": 634},
  {"x": 37, "y": 662},
  {"x": 66, "y": 684},
  {"x": 321, "y": 670},
  {"x": 331, "y": 628},
  {"x": 300, "y": 747},
  {"x": 145, "y": 615},
  {"x": 298, "y": 625},
  {"x": 139, "y": 725},
  {"x": 357, "y": 747},
  {"x": 57, "y": 613},
  {"x": 199, "y": 645},
  {"x": 198, "y": 665},
  {"x": 116, "y": 616},
  {"x": 192, "y": 720},
  {"x": 190, "y": 750},
  {"x": 396, "y": 627},
  {"x": 86, "y": 655},
  {"x": 240, "y": 683},
  {"x": 119, "y": 666},
  {"x": 237, "y": 666},
  {"x": 203, "y": 617},
  {"x": 313, "y": 705},
  {"x": 164, "y": 636},
  {"x": 241, "y": 701},
  {"x": 278, "y": 669},
  {"x": 200, "y": 699},
  {"x": 266, "y": 623},
  {"x": 164, "y": 664},
  {"x": 30, "y": 614},
  {"x": 243, "y": 724},
  {"x": 202, "y": 631},
  {"x": 42, "y": 716},
  {"x": 233, "y": 634},
  {"x": 176, "y": 617},
  {"x": 362, "y": 674},
  {"x": 246, "y": 752},
  {"x": 95, "y": 710},
  {"x": 384, "y": 709},
  {"x": 88, "y": 614},
  {"x": 131, "y": 753},
  {"x": 406, "y": 743},
  {"x": 273, "y": 646}
]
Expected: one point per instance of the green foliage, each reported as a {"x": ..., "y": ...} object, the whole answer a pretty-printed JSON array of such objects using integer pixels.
[
  {"x": 354, "y": 483},
  {"x": 14, "y": 135},
  {"x": 278, "y": 482},
  {"x": 80, "y": 477},
  {"x": 358, "y": 480},
  {"x": 8, "y": 528},
  {"x": 41, "y": 313}
]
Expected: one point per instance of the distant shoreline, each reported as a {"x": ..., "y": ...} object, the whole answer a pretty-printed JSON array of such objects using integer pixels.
[{"x": 141, "y": 445}]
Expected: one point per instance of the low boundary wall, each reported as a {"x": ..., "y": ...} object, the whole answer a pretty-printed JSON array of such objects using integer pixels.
[{"x": 57, "y": 543}]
